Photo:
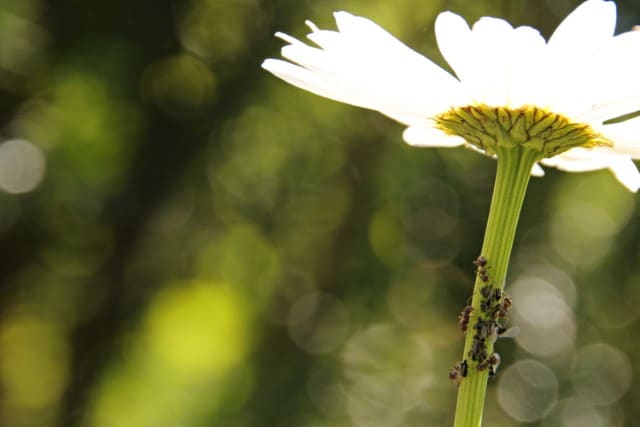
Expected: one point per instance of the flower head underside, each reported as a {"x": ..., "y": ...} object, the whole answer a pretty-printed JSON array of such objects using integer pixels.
[{"x": 557, "y": 95}]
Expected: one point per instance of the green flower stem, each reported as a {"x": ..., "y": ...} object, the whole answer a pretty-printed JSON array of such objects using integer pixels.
[{"x": 514, "y": 170}]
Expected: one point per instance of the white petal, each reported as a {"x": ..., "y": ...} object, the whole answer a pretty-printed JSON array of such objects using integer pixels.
[
  {"x": 497, "y": 64},
  {"x": 366, "y": 66},
  {"x": 305, "y": 79},
  {"x": 454, "y": 38},
  {"x": 571, "y": 51},
  {"x": 527, "y": 68},
  {"x": 627, "y": 173},
  {"x": 364, "y": 40},
  {"x": 313, "y": 27},
  {"x": 579, "y": 160},
  {"x": 346, "y": 85},
  {"x": 492, "y": 47},
  {"x": 287, "y": 38},
  {"x": 610, "y": 110},
  {"x": 366, "y": 33},
  {"x": 478, "y": 56},
  {"x": 583, "y": 160},
  {"x": 625, "y": 136},
  {"x": 615, "y": 84},
  {"x": 326, "y": 39},
  {"x": 430, "y": 137},
  {"x": 537, "y": 170},
  {"x": 309, "y": 81},
  {"x": 590, "y": 24}
]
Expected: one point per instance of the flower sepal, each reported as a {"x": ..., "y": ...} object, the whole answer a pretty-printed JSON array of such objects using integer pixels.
[{"x": 532, "y": 127}]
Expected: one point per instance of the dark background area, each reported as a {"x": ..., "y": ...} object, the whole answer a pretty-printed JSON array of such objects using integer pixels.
[{"x": 187, "y": 241}]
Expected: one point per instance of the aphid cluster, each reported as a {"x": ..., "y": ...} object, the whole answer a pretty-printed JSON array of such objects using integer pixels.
[
  {"x": 494, "y": 308},
  {"x": 494, "y": 305},
  {"x": 492, "y": 362}
]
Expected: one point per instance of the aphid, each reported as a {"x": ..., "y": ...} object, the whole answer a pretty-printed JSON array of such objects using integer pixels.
[
  {"x": 484, "y": 329},
  {"x": 497, "y": 294},
  {"x": 485, "y": 305},
  {"x": 485, "y": 291},
  {"x": 480, "y": 261},
  {"x": 478, "y": 350},
  {"x": 465, "y": 318},
  {"x": 494, "y": 359},
  {"x": 507, "y": 302},
  {"x": 500, "y": 331},
  {"x": 484, "y": 276},
  {"x": 459, "y": 371},
  {"x": 479, "y": 327},
  {"x": 502, "y": 310},
  {"x": 494, "y": 362}
]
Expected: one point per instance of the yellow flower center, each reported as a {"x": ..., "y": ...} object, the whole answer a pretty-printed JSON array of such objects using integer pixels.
[{"x": 491, "y": 127}]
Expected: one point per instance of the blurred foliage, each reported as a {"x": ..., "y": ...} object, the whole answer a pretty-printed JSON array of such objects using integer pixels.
[{"x": 187, "y": 241}]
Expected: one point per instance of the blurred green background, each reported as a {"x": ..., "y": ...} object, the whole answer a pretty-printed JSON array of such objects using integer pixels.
[{"x": 187, "y": 241}]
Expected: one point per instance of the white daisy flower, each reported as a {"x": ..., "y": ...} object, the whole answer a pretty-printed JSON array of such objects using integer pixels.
[{"x": 555, "y": 96}]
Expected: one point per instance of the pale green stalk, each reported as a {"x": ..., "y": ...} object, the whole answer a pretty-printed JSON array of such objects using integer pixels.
[{"x": 514, "y": 169}]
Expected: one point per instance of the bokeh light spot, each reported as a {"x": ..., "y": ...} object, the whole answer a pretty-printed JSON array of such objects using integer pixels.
[
  {"x": 23, "y": 42},
  {"x": 218, "y": 29},
  {"x": 413, "y": 296},
  {"x": 198, "y": 328},
  {"x": 601, "y": 374},
  {"x": 22, "y": 166},
  {"x": 179, "y": 84},
  {"x": 377, "y": 402},
  {"x": 386, "y": 237},
  {"x": 33, "y": 361},
  {"x": 318, "y": 322},
  {"x": 547, "y": 323},
  {"x": 419, "y": 225},
  {"x": 527, "y": 390},
  {"x": 389, "y": 371},
  {"x": 588, "y": 213},
  {"x": 326, "y": 391},
  {"x": 578, "y": 413},
  {"x": 243, "y": 255}
]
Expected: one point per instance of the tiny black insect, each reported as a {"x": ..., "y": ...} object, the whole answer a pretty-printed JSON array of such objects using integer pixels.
[
  {"x": 484, "y": 276},
  {"x": 465, "y": 318},
  {"x": 485, "y": 291},
  {"x": 480, "y": 261},
  {"x": 494, "y": 362},
  {"x": 459, "y": 371}
]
